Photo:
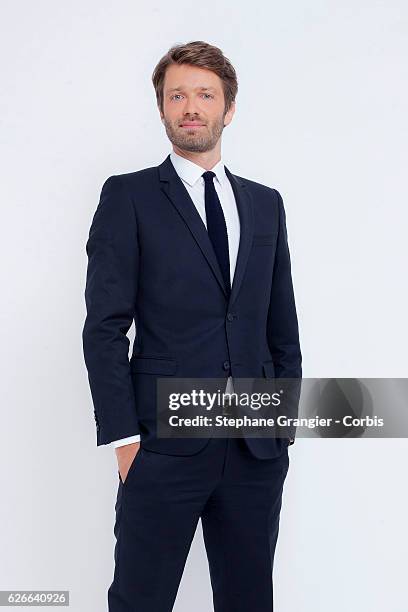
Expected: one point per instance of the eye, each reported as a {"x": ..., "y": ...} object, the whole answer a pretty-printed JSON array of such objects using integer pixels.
[{"x": 177, "y": 96}]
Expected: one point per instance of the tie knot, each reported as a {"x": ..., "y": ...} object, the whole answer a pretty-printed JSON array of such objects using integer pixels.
[{"x": 208, "y": 176}]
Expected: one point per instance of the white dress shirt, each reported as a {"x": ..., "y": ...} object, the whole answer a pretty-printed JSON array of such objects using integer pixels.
[{"x": 191, "y": 175}]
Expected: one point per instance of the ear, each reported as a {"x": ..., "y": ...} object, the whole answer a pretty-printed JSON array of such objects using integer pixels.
[{"x": 229, "y": 115}]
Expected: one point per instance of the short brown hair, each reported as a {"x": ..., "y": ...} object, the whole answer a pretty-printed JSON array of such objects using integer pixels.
[{"x": 203, "y": 55}]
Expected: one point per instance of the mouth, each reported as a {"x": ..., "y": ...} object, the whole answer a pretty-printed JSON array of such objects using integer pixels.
[{"x": 190, "y": 126}]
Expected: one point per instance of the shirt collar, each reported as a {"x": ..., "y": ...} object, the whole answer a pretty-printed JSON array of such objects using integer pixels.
[{"x": 191, "y": 172}]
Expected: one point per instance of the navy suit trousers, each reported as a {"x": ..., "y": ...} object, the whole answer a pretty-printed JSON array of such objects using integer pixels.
[{"x": 238, "y": 498}]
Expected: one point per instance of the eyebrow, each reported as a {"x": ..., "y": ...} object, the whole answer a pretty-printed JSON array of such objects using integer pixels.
[{"x": 202, "y": 89}]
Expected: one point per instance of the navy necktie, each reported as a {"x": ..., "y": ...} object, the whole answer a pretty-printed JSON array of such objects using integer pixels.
[{"x": 216, "y": 228}]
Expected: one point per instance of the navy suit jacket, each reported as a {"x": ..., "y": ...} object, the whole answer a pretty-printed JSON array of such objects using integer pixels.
[{"x": 150, "y": 260}]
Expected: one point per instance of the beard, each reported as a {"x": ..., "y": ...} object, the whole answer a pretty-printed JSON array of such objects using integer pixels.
[{"x": 197, "y": 141}]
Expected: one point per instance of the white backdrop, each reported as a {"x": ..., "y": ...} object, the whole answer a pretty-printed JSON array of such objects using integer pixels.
[{"x": 322, "y": 116}]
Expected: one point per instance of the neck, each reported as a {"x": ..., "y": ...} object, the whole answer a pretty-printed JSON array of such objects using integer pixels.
[{"x": 206, "y": 160}]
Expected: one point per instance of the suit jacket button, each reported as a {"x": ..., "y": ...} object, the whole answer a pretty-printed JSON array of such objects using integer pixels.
[
  {"x": 226, "y": 365},
  {"x": 230, "y": 316}
]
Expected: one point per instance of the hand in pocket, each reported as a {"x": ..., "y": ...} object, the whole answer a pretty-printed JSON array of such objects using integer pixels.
[{"x": 126, "y": 455}]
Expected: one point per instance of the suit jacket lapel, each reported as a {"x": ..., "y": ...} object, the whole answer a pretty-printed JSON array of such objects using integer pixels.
[
  {"x": 174, "y": 189},
  {"x": 244, "y": 202}
]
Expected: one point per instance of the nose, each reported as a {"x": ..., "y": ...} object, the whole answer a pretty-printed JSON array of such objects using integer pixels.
[{"x": 190, "y": 108}]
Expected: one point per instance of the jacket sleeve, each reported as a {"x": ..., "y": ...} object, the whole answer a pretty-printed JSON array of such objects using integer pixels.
[
  {"x": 282, "y": 327},
  {"x": 110, "y": 296}
]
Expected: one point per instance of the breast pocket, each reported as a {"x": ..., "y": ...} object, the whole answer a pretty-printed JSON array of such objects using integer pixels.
[{"x": 263, "y": 239}]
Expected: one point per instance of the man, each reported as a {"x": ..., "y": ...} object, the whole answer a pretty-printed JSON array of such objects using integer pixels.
[{"x": 198, "y": 258}]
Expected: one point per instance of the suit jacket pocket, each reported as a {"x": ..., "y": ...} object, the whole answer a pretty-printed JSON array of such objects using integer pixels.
[
  {"x": 153, "y": 365},
  {"x": 262, "y": 239}
]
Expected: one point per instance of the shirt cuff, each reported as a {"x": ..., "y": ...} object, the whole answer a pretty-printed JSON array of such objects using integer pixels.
[{"x": 124, "y": 441}]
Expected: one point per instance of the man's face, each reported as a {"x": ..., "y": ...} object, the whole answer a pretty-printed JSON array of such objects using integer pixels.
[{"x": 193, "y": 105}]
